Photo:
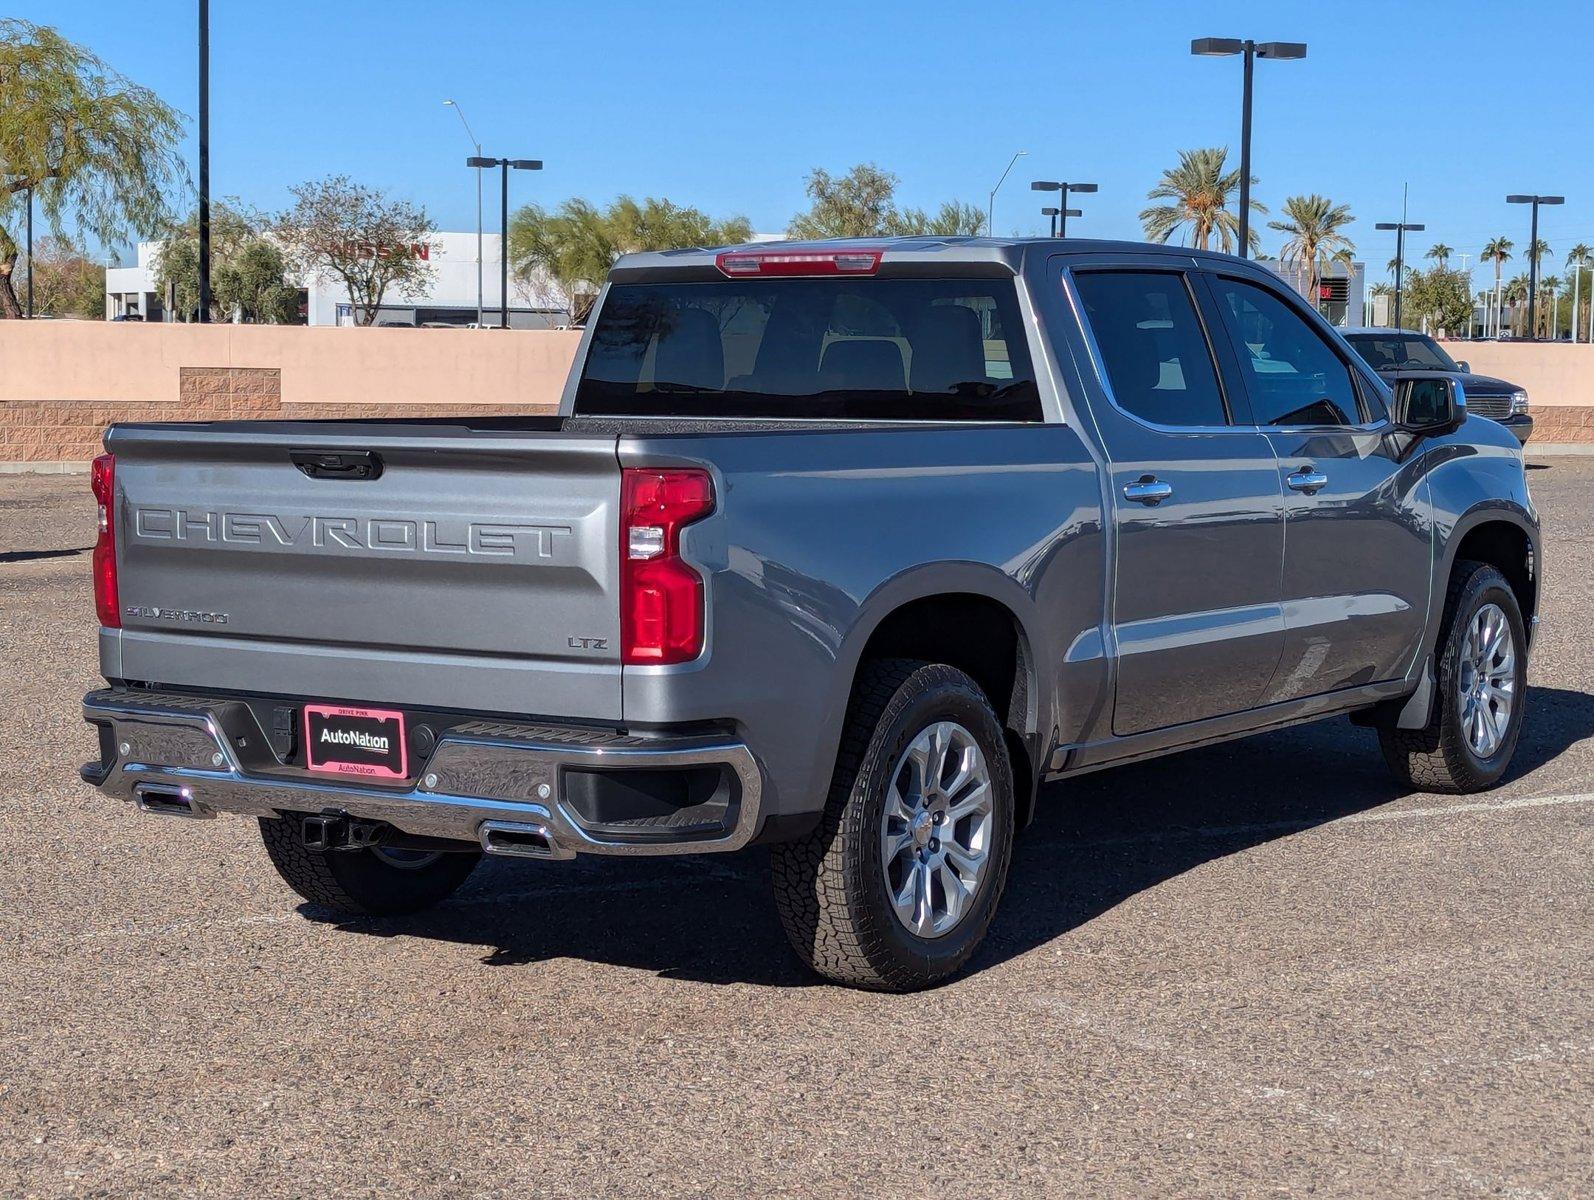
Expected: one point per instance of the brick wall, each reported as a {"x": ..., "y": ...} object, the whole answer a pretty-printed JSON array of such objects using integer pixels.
[{"x": 70, "y": 431}]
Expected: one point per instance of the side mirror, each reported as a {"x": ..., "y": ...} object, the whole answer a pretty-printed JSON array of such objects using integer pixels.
[
  {"x": 1463, "y": 366},
  {"x": 1428, "y": 403}
]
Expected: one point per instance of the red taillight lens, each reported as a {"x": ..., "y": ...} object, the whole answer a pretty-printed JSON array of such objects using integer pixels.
[
  {"x": 737, "y": 263},
  {"x": 661, "y": 597},
  {"x": 102, "y": 481}
]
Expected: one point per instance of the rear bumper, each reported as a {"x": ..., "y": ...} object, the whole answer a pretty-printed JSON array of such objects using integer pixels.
[{"x": 198, "y": 748}]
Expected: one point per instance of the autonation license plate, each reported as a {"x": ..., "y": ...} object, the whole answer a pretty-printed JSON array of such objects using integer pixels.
[{"x": 355, "y": 741}]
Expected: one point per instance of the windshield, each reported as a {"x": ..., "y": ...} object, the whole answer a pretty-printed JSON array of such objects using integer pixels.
[
  {"x": 863, "y": 349},
  {"x": 1400, "y": 351}
]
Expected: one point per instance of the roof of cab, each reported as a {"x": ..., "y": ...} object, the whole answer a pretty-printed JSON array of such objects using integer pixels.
[{"x": 925, "y": 250}]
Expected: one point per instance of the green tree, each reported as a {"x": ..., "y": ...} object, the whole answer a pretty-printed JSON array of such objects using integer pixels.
[
  {"x": 577, "y": 243},
  {"x": 1439, "y": 297},
  {"x": 339, "y": 230},
  {"x": 249, "y": 272},
  {"x": 1199, "y": 189},
  {"x": 863, "y": 203},
  {"x": 66, "y": 282},
  {"x": 97, "y": 151},
  {"x": 1539, "y": 251},
  {"x": 1312, "y": 227},
  {"x": 1577, "y": 261},
  {"x": 1498, "y": 251},
  {"x": 1440, "y": 253}
]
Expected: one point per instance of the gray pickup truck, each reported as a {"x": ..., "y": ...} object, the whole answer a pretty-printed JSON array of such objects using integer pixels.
[{"x": 843, "y": 547}]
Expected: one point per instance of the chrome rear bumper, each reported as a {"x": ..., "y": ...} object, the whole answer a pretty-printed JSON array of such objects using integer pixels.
[{"x": 194, "y": 747}]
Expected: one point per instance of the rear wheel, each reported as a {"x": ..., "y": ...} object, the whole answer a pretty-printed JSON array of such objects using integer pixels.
[
  {"x": 1481, "y": 691},
  {"x": 372, "y": 882},
  {"x": 898, "y": 884}
]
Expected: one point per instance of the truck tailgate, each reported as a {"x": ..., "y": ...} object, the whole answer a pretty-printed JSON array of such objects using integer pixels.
[{"x": 477, "y": 570}]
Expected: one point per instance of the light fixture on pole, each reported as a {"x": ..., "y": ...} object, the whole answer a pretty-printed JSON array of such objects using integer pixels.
[
  {"x": 1221, "y": 47},
  {"x": 1062, "y": 189},
  {"x": 1533, "y": 258},
  {"x": 1052, "y": 213},
  {"x": 1401, "y": 228},
  {"x": 519, "y": 164},
  {"x": 990, "y": 207},
  {"x": 454, "y": 104}
]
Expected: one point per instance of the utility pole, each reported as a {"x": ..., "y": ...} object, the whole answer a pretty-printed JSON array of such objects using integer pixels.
[
  {"x": 1533, "y": 258},
  {"x": 30, "y": 252},
  {"x": 204, "y": 161}
]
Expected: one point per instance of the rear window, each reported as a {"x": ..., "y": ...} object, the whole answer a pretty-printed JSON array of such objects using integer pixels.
[{"x": 848, "y": 349}]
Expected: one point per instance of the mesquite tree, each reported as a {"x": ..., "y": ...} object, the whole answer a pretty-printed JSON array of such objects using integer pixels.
[{"x": 97, "y": 151}]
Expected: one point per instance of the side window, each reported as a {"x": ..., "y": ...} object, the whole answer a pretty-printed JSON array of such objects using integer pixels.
[
  {"x": 1293, "y": 375},
  {"x": 1153, "y": 346}
]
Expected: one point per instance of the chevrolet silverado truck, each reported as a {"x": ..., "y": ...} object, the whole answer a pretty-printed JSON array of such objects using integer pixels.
[{"x": 839, "y": 547}]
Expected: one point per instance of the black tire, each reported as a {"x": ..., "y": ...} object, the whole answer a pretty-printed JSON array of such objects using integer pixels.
[
  {"x": 831, "y": 886},
  {"x": 1439, "y": 758},
  {"x": 362, "y": 883}
]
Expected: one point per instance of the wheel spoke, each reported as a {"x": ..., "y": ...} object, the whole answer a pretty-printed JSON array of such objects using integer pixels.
[
  {"x": 976, "y": 800},
  {"x": 956, "y": 893},
  {"x": 965, "y": 861}
]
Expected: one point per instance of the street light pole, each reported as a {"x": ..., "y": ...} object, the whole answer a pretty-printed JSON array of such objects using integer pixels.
[
  {"x": 204, "y": 161},
  {"x": 1062, "y": 189},
  {"x": 1401, "y": 228},
  {"x": 1052, "y": 213},
  {"x": 1220, "y": 47},
  {"x": 519, "y": 164},
  {"x": 1533, "y": 258},
  {"x": 31, "y": 252},
  {"x": 454, "y": 104},
  {"x": 990, "y": 207}
]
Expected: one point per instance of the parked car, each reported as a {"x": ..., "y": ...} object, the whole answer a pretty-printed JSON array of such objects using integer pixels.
[
  {"x": 1391, "y": 351},
  {"x": 842, "y": 547}
]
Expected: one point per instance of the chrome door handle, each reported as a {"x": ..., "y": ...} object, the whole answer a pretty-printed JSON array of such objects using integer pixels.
[
  {"x": 1307, "y": 480},
  {"x": 1148, "y": 489}
]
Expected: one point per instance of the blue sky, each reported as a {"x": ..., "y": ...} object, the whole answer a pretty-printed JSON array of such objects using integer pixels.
[{"x": 728, "y": 106}]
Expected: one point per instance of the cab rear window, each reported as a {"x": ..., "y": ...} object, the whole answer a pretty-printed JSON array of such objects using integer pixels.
[{"x": 824, "y": 348}]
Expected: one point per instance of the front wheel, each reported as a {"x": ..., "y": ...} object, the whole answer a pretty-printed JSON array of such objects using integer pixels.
[
  {"x": 898, "y": 884},
  {"x": 1481, "y": 694},
  {"x": 371, "y": 882}
]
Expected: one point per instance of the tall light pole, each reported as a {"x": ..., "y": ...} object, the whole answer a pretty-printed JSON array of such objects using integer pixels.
[
  {"x": 1221, "y": 47},
  {"x": 454, "y": 104},
  {"x": 1577, "y": 264},
  {"x": 204, "y": 161},
  {"x": 519, "y": 164},
  {"x": 990, "y": 207},
  {"x": 1401, "y": 228},
  {"x": 1533, "y": 258},
  {"x": 30, "y": 256},
  {"x": 1062, "y": 190}
]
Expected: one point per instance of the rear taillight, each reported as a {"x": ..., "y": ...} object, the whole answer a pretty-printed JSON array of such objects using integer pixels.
[
  {"x": 661, "y": 596},
  {"x": 737, "y": 263},
  {"x": 102, "y": 480}
]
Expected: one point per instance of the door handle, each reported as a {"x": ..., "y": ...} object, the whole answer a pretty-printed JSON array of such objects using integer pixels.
[
  {"x": 1308, "y": 479},
  {"x": 1148, "y": 489}
]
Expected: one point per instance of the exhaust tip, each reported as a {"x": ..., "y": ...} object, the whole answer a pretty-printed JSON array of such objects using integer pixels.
[
  {"x": 169, "y": 801},
  {"x": 521, "y": 839}
]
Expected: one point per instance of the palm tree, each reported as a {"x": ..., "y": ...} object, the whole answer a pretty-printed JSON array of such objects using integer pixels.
[
  {"x": 1440, "y": 253},
  {"x": 1199, "y": 188},
  {"x": 1548, "y": 316},
  {"x": 1539, "y": 251},
  {"x": 1312, "y": 227},
  {"x": 1577, "y": 259},
  {"x": 1516, "y": 294},
  {"x": 1497, "y": 251}
]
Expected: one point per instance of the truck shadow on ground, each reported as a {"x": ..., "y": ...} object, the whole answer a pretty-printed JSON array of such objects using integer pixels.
[{"x": 1096, "y": 841}]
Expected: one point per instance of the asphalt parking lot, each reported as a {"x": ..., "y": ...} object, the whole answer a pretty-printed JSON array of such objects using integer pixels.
[{"x": 1256, "y": 969}]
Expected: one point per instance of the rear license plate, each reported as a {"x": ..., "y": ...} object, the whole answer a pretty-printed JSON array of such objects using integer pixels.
[{"x": 355, "y": 741}]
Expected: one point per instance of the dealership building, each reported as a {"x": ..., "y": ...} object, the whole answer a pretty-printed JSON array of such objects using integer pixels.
[{"x": 448, "y": 298}]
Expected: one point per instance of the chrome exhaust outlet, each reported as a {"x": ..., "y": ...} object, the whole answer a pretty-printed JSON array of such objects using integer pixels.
[
  {"x": 169, "y": 801},
  {"x": 521, "y": 839}
]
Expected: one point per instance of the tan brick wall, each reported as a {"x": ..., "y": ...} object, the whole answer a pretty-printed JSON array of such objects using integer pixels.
[
  {"x": 53, "y": 431},
  {"x": 1562, "y": 425}
]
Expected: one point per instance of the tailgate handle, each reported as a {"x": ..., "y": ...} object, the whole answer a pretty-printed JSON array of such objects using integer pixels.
[{"x": 337, "y": 464}]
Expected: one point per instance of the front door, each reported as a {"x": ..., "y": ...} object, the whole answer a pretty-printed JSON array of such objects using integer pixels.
[
  {"x": 1357, "y": 536},
  {"x": 1197, "y": 506}
]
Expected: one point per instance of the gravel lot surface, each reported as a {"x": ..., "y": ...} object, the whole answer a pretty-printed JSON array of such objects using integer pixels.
[{"x": 1256, "y": 969}]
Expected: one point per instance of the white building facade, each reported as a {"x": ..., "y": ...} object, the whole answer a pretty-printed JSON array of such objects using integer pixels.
[{"x": 448, "y": 298}]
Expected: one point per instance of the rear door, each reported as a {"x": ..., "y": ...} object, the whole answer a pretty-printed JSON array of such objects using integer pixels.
[
  {"x": 1357, "y": 560},
  {"x": 476, "y": 570},
  {"x": 1198, "y": 508}
]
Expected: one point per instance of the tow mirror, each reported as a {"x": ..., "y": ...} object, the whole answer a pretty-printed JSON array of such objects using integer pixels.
[
  {"x": 1428, "y": 404},
  {"x": 1464, "y": 366}
]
